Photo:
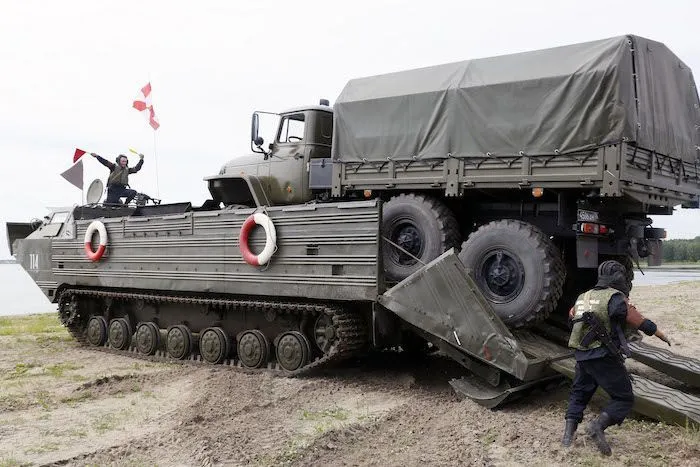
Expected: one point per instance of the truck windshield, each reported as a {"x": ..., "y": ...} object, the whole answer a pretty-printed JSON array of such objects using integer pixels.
[
  {"x": 59, "y": 217},
  {"x": 292, "y": 128}
]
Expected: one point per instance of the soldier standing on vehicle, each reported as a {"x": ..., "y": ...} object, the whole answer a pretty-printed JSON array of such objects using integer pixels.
[
  {"x": 599, "y": 319},
  {"x": 118, "y": 180}
]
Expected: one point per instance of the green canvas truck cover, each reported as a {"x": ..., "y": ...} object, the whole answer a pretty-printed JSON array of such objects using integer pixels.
[{"x": 544, "y": 102}]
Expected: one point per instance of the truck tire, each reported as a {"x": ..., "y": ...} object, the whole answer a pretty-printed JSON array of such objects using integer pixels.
[
  {"x": 518, "y": 269},
  {"x": 419, "y": 224}
]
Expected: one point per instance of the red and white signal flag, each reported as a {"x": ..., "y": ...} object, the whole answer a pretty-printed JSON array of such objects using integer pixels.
[
  {"x": 143, "y": 103},
  {"x": 78, "y": 154}
]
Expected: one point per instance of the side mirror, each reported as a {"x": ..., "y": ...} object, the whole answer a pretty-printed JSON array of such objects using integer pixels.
[
  {"x": 256, "y": 141},
  {"x": 254, "y": 127}
]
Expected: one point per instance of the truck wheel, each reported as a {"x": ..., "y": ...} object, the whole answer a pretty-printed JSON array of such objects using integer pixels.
[
  {"x": 420, "y": 225},
  {"x": 518, "y": 269}
]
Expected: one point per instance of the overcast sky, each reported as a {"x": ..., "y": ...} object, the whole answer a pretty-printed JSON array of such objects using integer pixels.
[{"x": 71, "y": 69}]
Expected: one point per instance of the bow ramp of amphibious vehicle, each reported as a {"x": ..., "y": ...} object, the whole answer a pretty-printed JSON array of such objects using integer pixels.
[{"x": 177, "y": 283}]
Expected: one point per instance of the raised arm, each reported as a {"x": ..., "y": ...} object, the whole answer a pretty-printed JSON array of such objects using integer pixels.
[
  {"x": 138, "y": 166},
  {"x": 103, "y": 161}
]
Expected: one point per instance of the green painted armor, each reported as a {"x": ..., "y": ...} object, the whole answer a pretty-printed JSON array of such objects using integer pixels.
[{"x": 595, "y": 301}]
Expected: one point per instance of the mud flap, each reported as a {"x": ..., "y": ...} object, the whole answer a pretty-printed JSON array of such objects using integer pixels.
[
  {"x": 442, "y": 300},
  {"x": 586, "y": 252}
]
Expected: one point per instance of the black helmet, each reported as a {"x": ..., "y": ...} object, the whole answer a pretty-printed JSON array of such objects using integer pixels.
[{"x": 613, "y": 274}]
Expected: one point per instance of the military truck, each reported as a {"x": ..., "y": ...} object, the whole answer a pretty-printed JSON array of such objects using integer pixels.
[
  {"x": 350, "y": 257},
  {"x": 544, "y": 163}
]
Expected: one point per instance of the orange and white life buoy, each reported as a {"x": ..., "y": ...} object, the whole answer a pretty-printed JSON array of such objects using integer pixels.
[
  {"x": 100, "y": 227},
  {"x": 270, "y": 239}
]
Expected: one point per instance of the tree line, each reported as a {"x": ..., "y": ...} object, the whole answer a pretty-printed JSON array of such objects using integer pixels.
[{"x": 682, "y": 250}]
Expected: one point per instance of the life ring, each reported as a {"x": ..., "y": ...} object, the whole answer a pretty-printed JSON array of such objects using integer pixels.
[
  {"x": 100, "y": 227},
  {"x": 270, "y": 239}
]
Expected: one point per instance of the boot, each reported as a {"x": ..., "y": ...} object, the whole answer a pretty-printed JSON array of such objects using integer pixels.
[
  {"x": 569, "y": 432},
  {"x": 595, "y": 431}
]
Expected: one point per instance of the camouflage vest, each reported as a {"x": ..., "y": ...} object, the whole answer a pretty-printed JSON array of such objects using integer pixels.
[
  {"x": 595, "y": 301},
  {"x": 118, "y": 176}
]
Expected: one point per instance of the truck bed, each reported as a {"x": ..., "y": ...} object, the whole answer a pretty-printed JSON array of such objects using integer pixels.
[
  {"x": 616, "y": 170},
  {"x": 619, "y": 115}
]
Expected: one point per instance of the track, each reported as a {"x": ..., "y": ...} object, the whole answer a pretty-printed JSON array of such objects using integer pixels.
[{"x": 349, "y": 328}]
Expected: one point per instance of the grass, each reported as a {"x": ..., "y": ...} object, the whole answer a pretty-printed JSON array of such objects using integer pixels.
[
  {"x": 21, "y": 369},
  {"x": 293, "y": 450},
  {"x": 77, "y": 433},
  {"x": 47, "y": 323},
  {"x": 8, "y": 401},
  {"x": 105, "y": 423},
  {"x": 10, "y": 462},
  {"x": 46, "y": 447},
  {"x": 335, "y": 414},
  {"x": 58, "y": 369},
  {"x": 76, "y": 398},
  {"x": 590, "y": 460},
  {"x": 43, "y": 398},
  {"x": 489, "y": 437},
  {"x": 56, "y": 338},
  {"x": 325, "y": 420},
  {"x": 31, "y": 369}
]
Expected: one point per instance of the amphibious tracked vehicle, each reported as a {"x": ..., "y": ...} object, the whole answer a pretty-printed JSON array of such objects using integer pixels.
[{"x": 548, "y": 161}]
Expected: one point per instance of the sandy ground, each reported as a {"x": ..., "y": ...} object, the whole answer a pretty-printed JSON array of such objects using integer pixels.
[{"x": 66, "y": 405}]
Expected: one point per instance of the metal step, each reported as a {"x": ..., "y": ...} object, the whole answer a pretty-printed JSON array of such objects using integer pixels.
[{"x": 684, "y": 369}]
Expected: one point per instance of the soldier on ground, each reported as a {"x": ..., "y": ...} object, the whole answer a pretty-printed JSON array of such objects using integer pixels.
[{"x": 600, "y": 318}]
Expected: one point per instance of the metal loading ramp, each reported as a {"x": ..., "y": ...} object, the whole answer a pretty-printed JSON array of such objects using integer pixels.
[
  {"x": 652, "y": 399},
  {"x": 684, "y": 369},
  {"x": 442, "y": 303}
]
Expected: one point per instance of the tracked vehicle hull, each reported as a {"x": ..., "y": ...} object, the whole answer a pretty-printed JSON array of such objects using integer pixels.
[
  {"x": 172, "y": 285},
  {"x": 173, "y": 279}
]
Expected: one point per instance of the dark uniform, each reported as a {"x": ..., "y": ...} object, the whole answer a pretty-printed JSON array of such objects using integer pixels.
[
  {"x": 118, "y": 179},
  {"x": 599, "y": 343}
]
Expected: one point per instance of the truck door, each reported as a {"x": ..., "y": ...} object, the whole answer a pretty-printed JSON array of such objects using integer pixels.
[{"x": 287, "y": 165}]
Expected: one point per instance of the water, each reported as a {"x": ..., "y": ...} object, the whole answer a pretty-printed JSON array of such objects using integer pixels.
[
  {"x": 19, "y": 295},
  {"x": 665, "y": 276}
]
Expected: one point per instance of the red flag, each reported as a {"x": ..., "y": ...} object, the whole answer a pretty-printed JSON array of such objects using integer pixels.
[
  {"x": 143, "y": 103},
  {"x": 78, "y": 154}
]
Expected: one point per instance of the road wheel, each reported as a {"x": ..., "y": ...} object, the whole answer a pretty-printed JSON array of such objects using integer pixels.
[
  {"x": 422, "y": 227},
  {"x": 119, "y": 334},
  {"x": 518, "y": 269}
]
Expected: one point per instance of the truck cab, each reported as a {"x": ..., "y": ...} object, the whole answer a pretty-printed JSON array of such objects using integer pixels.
[{"x": 278, "y": 173}]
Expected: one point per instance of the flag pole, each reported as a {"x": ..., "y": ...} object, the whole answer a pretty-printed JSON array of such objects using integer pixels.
[
  {"x": 155, "y": 151},
  {"x": 155, "y": 156}
]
